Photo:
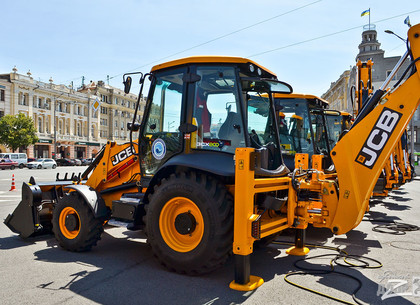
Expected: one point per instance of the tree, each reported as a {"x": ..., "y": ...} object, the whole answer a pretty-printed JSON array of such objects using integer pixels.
[{"x": 17, "y": 130}]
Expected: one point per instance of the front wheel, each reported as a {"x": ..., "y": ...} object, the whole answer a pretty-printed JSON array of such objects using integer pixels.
[
  {"x": 189, "y": 223},
  {"x": 74, "y": 225},
  {"x": 39, "y": 167},
  {"x": 12, "y": 167}
]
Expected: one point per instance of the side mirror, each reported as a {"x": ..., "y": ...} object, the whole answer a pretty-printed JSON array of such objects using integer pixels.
[{"x": 127, "y": 84}]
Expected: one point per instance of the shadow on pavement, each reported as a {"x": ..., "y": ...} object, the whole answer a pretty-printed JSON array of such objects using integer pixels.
[
  {"x": 123, "y": 270},
  {"x": 15, "y": 241}
]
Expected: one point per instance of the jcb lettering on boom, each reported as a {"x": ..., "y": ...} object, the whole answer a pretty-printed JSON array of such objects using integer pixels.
[
  {"x": 121, "y": 156},
  {"x": 378, "y": 137}
]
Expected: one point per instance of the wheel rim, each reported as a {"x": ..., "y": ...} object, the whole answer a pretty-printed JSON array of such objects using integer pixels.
[
  {"x": 181, "y": 224},
  {"x": 67, "y": 214}
]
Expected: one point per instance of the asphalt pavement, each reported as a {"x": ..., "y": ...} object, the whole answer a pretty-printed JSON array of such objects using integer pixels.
[{"x": 121, "y": 269}]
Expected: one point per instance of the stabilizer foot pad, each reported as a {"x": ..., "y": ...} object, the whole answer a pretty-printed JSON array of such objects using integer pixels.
[
  {"x": 254, "y": 283},
  {"x": 297, "y": 251}
]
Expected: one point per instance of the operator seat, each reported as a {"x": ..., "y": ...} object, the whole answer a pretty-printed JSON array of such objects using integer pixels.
[{"x": 231, "y": 129}]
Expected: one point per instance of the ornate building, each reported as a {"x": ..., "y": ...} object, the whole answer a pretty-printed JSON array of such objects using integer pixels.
[
  {"x": 70, "y": 123},
  {"x": 339, "y": 93}
]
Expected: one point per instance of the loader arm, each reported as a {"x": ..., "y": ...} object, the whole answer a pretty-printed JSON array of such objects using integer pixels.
[{"x": 361, "y": 154}]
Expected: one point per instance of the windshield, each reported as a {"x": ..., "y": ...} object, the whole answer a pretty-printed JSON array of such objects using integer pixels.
[
  {"x": 294, "y": 128},
  {"x": 217, "y": 112},
  {"x": 335, "y": 123},
  {"x": 319, "y": 130}
]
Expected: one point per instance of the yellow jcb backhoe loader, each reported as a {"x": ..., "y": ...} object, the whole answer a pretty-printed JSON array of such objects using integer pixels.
[
  {"x": 208, "y": 169},
  {"x": 359, "y": 157}
]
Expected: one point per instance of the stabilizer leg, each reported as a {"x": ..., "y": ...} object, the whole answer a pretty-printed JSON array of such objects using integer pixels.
[
  {"x": 299, "y": 248},
  {"x": 243, "y": 280}
]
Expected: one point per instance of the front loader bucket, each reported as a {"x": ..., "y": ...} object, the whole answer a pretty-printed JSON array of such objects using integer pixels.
[{"x": 25, "y": 218}]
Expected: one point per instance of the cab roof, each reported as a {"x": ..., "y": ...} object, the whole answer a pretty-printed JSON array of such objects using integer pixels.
[
  {"x": 302, "y": 96},
  {"x": 209, "y": 59}
]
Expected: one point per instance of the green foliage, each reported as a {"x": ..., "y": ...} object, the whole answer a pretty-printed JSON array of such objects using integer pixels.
[{"x": 17, "y": 130}]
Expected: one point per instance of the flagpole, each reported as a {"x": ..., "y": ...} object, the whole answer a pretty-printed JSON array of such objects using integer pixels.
[{"x": 369, "y": 18}]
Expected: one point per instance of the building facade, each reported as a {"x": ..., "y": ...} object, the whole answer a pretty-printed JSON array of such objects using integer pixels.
[
  {"x": 341, "y": 93},
  {"x": 70, "y": 123}
]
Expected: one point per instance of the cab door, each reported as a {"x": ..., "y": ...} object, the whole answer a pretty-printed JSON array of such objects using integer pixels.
[{"x": 160, "y": 137}]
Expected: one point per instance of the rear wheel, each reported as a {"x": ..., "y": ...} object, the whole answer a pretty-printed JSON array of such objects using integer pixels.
[
  {"x": 74, "y": 225},
  {"x": 189, "y": 223},
  {"x": 54, "y": 166},
  {"x": 12, "y": 167},
  {"x": 21, "y": 166}
]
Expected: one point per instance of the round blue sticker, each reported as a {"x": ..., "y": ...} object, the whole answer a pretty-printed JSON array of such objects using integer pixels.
[{"x": 158, "y": 149}]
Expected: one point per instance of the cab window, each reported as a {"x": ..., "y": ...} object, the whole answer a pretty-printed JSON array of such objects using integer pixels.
[{"x": 216, "y": 111}]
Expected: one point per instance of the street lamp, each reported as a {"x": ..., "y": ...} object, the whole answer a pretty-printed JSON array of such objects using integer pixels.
[{"x": 170, "y": 125}]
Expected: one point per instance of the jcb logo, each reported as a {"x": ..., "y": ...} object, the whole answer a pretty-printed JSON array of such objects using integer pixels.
[
  {"x": 378, "y": 137},
  {"x": 121, "y": 156}
]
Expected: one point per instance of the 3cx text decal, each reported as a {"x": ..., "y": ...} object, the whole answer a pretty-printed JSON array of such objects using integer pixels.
[
  {"x": 121, "y": 156},
  {"x": 158, "y": 149},
  {"x": 378, "y": 137}
]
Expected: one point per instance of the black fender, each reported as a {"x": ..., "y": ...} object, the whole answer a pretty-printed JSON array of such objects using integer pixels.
[
  {"x": 92, "y": 198},
  {"x": 215, "y": 163}
]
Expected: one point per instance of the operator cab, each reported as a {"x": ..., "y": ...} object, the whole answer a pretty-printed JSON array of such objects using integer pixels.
[
  {"x": 200, "y": 109},
  {"x": 302, "y": 126}
]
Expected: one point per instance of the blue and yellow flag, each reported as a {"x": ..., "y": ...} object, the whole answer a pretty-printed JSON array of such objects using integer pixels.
[{"x": 364, "y": 13}]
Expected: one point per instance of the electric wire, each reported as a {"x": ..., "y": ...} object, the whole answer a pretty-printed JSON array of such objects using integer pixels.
[
  {"x": 219, "y": 37},
  {"x": 335, "y": 260},
  {"x": 255, "y": 24},
  {"x": 327, "y": 35},
  {"x": 392, "y": 227}
]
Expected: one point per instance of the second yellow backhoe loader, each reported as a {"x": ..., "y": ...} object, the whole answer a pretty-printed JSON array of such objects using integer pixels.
[{"x": 205, "y": 177}]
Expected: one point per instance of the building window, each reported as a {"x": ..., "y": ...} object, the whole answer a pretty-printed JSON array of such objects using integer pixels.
[
  {"x": 2, "y": 95},
  {"x": 60, "y": 127},
  {"x": 104, "y": 98},
  {"x": 40, "y": 125},
  {"x": 23, "y": 99},
  {"x": 388, "y": 73},
  {"x": 79, "y": 129},
  {"x": 116, "y": 101},
  {"x": 104, "y": 122},
  {"x": 104, "y": 110}
]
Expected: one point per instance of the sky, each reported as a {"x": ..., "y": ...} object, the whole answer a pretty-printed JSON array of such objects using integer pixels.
[{"x": 308, "y": 43}]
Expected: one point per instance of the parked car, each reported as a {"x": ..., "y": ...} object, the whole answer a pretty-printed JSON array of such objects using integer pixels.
[
  {"x": 87, "y": 161},
  {"x": 20, "y": 158},
  {"x": 7, "y": 163},
  {"x": 31, "y": 159},
  {"x": 77, "y": 162},
  {"x": 42, "y": 163},
  {"x": 64, "y": 162}
]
